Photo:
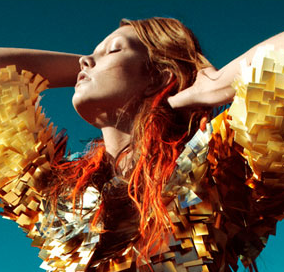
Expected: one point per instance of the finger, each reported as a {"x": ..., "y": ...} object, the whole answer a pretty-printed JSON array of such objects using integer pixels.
[
  {"x": 191, "y": 98},
  {"x": 185, "y": 98}
]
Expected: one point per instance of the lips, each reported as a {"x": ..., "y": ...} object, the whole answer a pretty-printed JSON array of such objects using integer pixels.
[{"x": 82, "y": 77}]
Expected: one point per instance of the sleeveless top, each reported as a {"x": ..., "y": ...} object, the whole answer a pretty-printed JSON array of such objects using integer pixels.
[{"x": 227, "y": 191}]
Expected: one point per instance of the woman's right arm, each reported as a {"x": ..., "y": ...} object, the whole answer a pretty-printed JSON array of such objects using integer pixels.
[
  {"x": 28, "y": 144},
  {"x": 61, "y": 69}
]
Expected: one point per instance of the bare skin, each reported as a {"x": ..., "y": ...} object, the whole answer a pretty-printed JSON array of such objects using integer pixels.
[
  {"x": 110, "y": 77},
  {"x": 61, "y": 69},
  {"x": 116, "y": 67},
  {"x": 212, "y": 87}
]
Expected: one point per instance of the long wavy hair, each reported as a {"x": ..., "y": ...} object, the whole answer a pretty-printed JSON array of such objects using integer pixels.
[{"x": 157, "y": 137}]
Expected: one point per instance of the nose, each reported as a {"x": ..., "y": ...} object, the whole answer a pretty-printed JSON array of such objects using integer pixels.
[{"x": 86, "y": 62}]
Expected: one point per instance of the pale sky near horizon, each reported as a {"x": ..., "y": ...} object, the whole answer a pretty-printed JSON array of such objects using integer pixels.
[{"x": 225, "y": 29}]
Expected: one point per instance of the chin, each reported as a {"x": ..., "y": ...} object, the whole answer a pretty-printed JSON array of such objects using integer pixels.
[{"x": 91, "y": 115}]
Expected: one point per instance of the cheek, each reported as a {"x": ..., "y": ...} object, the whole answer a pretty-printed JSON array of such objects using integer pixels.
[
  {"x": 122, "y": 81},
  {"x": 133, "y": 77},
  {"x": 112, "y": 83}
]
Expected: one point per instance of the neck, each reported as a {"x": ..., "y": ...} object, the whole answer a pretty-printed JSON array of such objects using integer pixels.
[
  {"x": 117, "y": 135},
  {"x": 115, "y": 140}
]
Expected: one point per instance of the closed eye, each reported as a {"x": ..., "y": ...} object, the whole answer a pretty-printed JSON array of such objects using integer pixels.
[{"x": 114, "y": 50}]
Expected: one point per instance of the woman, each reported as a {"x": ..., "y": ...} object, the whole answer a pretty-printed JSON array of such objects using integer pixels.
[{"x": 138, "y": 200}]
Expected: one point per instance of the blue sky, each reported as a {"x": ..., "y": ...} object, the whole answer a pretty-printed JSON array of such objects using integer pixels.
[{"x": 225, "y": 29}]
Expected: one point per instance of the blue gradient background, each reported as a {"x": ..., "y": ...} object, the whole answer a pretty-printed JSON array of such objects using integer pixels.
[{"x": 225, "y": 29}]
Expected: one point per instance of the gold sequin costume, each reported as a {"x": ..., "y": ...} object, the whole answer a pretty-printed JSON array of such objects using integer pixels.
[{"x": 227, "y": 191}]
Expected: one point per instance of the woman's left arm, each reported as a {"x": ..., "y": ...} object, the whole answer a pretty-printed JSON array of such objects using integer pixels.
[{"x": 213, "y": 87}]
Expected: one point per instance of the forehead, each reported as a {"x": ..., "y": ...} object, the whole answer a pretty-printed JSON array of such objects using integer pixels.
[{"x": 126, "y": 33}]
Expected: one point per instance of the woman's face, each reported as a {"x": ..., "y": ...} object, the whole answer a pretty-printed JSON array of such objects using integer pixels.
[{"x": 111, "y": 76}]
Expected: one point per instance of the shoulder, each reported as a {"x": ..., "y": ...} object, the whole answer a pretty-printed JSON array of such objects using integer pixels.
[
  {"x": 27, "y": 146},
  {"x": 258, "y": 110}
]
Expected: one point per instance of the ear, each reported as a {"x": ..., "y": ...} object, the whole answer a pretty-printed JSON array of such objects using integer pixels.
[{"x": 166, "y": 77}]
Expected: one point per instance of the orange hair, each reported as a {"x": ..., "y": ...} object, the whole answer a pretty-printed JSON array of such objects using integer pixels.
[
  {"x": 71, "y": 178},
  {"x": 158, "y": 133}
]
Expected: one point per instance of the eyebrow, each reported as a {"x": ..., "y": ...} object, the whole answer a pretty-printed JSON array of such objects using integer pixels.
[{"x": 107, "y": 42}]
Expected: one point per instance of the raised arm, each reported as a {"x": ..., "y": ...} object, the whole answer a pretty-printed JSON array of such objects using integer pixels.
[
  {"x": 25, "y": 134},
  {"x": 29, "y": 147},
  {"x": 60, "y": 69},
  {"x": 213, "y": 87}
]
